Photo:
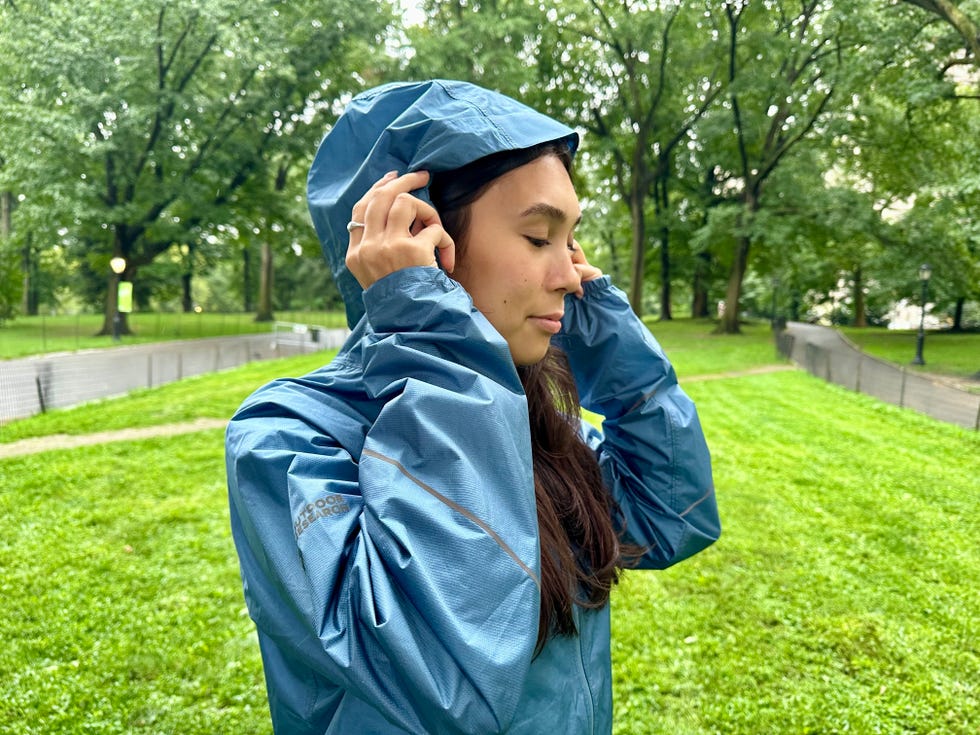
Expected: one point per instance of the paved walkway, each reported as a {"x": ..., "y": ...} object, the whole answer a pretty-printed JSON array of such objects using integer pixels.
[{"x": 827, "y": 354}]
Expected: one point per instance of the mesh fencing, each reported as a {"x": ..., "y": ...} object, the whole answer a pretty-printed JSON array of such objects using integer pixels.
[
  {"x": 838, "y": 361},
  {"x": 32, "y": 385}
]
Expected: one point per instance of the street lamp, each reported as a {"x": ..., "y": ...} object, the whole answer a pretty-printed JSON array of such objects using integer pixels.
[
  {"x": 118, "y": 265},
  {"x": 924, "y": 273}
]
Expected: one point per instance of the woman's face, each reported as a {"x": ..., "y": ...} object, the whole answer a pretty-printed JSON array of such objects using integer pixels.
[{"x": 517, "y": 261}]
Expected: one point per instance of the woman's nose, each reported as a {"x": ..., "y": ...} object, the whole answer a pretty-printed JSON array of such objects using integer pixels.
[{"x": 565, "y": 277}]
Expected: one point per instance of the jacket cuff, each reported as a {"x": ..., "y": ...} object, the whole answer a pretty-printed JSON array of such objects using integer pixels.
[{"x": 414, "y": 299}]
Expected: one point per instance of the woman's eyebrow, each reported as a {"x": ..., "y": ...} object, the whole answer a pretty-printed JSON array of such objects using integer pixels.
[{"x": 548, "y": 210}]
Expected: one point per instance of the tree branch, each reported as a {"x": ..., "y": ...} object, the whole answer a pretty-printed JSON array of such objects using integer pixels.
[
  {"x": 733, "y": 20},
  {"x": 960, "y": 21}
]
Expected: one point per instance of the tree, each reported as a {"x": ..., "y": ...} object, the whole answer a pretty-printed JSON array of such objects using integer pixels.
[
  {"x": 781, "y": 69},
  {"x": 907, "y": 140},
  {"x": 151, "y": 127},
  {"x": 637, "y": 78},
  {"x": 634, "y": 76}
]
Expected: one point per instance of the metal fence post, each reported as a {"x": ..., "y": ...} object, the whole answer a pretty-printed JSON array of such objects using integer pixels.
[{"x": 40, "y": 392}]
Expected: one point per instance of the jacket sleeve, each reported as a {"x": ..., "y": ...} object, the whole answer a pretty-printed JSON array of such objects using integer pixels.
[
  {"x": 651, "y": 450},
  {"x": 408, "y": 573}
]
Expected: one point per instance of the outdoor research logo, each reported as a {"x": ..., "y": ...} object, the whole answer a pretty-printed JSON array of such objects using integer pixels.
[{"x": 328, "y": 505}]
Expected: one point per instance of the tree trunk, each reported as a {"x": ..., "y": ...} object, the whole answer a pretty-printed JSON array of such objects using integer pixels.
[
  {"x": 638, "y": 267},
  {"x": 25, "y": 268},
  {"x": 699, "y": 289},
  {"x": 116, "y": 322},
  {"x": 6, "y": 213},
  {"x": 264, "y": 313},
  {"x": 733, "y": 295},
  {"x": 111, "y": 308},
  {"x": 740, "y": 264},
  {"x": 246, "y": 279},
  {"x": 958, "y": 314},
  {"x": 666, "y": 313},
  {"x": 612, "y": 242},
  {"x": 186, "y": 301},
  {"x": 662, "y": 201},
  {"x": 6, "y": 229},
  {"x": 187, "y": 279},
  {"x": 860, "y": 312}
]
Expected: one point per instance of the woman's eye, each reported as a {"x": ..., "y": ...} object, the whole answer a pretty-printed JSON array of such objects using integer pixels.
[{"x": 538, "y": 242}]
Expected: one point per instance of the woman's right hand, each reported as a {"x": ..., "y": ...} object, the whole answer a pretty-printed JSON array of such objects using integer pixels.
[{"x": 400, "y": 231}]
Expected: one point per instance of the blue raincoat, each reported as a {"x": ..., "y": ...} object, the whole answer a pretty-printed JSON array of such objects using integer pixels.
[{"x": 383, "y": 506}]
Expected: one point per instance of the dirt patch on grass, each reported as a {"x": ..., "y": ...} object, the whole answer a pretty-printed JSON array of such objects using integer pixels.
[{"x": 38, "y": 444}]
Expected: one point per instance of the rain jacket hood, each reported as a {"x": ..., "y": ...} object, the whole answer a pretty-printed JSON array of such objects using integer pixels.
[{"x": 432, "y": 126}]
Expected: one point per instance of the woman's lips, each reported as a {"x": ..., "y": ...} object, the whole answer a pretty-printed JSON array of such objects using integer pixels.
[{"x": 549, "y": 323}]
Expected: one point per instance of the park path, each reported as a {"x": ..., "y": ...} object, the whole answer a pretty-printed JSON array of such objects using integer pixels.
[{"x": 52, "y": 442}]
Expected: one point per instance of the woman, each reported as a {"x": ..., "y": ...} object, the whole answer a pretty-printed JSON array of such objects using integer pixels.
[{"x": 427, "y": 531}]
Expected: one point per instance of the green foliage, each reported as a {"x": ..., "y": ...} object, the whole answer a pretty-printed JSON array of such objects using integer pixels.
[
  {"x": 147, "y": 127},
  {"x": 160, "y": 123}
]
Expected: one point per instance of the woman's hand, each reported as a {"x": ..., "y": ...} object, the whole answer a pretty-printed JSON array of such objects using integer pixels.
[
  {"x": 400, "y": 231},
  {"x": 586, "y": 271}
]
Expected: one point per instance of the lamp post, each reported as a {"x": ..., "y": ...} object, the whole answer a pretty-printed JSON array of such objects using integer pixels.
[
  {"x": 118, "y": 265},
  {"x": 924, "y": 273}
]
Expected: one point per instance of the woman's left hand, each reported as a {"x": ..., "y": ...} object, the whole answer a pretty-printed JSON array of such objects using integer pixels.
[{"x": 586, "y": 271}]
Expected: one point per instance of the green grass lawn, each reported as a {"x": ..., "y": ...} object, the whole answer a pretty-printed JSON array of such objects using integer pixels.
[
  {"x": 945, "y": 353},
  {"x": 39, "y": 334},
  {"x": 842, "y": 596},
  {"x": 695, "y": 349}
]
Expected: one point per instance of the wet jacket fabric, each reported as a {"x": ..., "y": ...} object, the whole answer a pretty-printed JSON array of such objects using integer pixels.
[{"x": 383, "y": 511}]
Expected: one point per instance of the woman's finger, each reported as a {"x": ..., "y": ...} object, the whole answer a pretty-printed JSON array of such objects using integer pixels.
[
  {"x": 380, "y": 200},
  {"x": 410, "y": 214},
  {"x": 586, "y": 271},
  {"x": 360, "y": 207}
]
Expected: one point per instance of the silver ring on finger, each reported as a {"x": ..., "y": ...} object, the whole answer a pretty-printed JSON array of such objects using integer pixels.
[{"x": 353, "y": 225}]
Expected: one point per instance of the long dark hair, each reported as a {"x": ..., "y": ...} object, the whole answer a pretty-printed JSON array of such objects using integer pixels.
[{"x": 580, "y": 548}]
